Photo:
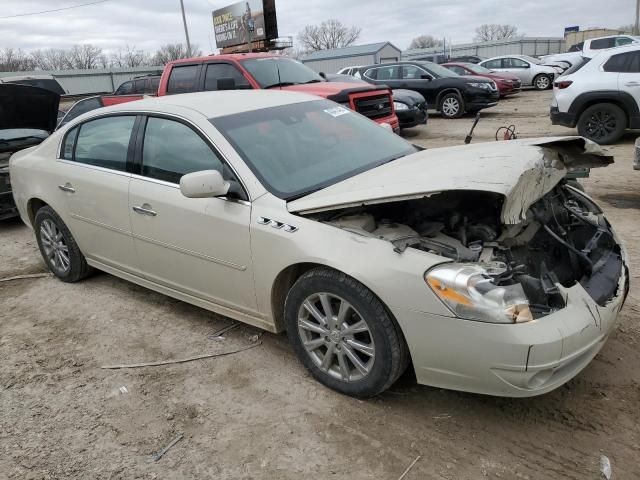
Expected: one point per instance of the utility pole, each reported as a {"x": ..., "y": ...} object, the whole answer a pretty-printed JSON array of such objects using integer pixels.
[
  {"x": 186, "y": 30},
  {"x": 636, "y": 30}
]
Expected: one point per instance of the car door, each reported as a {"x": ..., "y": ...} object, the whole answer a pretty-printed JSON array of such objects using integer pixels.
[
  {"x": 388, "y": 75},
  {"x": 628, "y": 66},
  {"x": 95, "y": 180},
  {"x": 519, "y": 68},
  {"x": 495, "y": 65},
  {"x": 197, "y": 246},
  {"x": 419, "y": 80}
]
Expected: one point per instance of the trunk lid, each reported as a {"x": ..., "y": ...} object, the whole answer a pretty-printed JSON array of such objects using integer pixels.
[{"x": 522, "y": 171}]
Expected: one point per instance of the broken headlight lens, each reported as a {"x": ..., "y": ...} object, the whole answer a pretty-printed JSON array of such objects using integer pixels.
[{"x": 470, "y": 293}]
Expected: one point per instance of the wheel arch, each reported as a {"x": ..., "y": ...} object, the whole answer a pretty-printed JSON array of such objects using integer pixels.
[
  {"x": 446, "y": 91},
  {"x": 621, "y": 99},
  {"x": 33, "y": 205}
]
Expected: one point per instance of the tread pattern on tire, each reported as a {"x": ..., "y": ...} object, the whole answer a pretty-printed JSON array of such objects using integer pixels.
[{"x": 399, "y": 350}]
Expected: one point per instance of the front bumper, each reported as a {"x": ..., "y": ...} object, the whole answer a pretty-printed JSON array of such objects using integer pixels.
[
  {"x": 562, "y": 118},
  {"x": 8, "y": 207},
  {"x": 413, "y": 117},
  {"x": 480, "y": 99},
  {"x": 520, "y": 360}
]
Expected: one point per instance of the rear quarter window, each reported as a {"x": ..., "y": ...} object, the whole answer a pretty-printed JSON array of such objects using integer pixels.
[{"x": 183, "y": 79}]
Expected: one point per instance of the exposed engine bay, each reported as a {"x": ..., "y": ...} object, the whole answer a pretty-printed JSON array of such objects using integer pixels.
[{"x": 565, "y": 239}]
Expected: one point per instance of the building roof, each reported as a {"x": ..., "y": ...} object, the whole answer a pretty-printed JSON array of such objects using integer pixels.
[{"x": 352, "y": 51}]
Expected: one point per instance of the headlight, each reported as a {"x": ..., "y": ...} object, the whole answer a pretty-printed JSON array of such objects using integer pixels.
[
  {"x": 470, "y": 293},
  {"x": 484, "y": 86},
  {"x": 400, "y": 106}
]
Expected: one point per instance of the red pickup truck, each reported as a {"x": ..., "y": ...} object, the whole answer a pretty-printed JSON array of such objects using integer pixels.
[{"x": 265, "y": 71}]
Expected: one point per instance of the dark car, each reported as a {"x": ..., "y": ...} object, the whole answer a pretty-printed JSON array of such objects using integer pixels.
[
  {"x": 27, "y": 116},
  {"x": 466, "y": 59},
  {"x": 143, "y": 85},
  {"x": 47, "y": 82},
  {"x": 449, "y": 93},
  {"x": 411, "y": 107}
]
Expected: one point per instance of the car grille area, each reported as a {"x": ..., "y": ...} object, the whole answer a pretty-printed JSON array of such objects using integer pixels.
[{"x": 375, "y": 106}]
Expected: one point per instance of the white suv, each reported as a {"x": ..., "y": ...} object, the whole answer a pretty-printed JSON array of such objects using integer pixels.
[{"x": 600, "y": 96}]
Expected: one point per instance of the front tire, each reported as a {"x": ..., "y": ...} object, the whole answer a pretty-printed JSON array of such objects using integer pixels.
[
  {"x": 58, "y": 247},
  {"x": 604, "y": 123},
  {"x": 451, "y": 106},
  {"x": 542, "y": 82},
  {"x": 343, "y": 334}
]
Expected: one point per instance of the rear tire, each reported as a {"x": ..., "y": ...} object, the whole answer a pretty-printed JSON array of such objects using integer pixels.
[
  {"x": 451, "y": 106},
  {"x": 58, "y": 247},
  {"x": 356, "y": 348},
  {"x": 604, "y": 123},
  {"x": 542, "y": 82}
]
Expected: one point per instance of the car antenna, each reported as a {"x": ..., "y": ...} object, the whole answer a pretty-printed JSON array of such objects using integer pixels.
[
  {"x": 467, "y": 140},
  {"x": 279, "y": 79}
]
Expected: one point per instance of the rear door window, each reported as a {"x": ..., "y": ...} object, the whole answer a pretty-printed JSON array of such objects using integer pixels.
[
  {"x": 139, "y": 86},
  {"x": 603, "y": 43},
  {"x": 104, "y": 142},
  {"x": 216, "y": 71},
  {"x": 493, "y": 64},
  {"x": 391, "y": 72},
  {"x": 623, "y": 41},
  {"x": 83, "y": 106},
  {"x": 411, "y": 72},
  {"x": 183, "y": 79},
  {"x": 619, "y": 63},
  {"x": 514, "y": 63},
  {"x": 125, "y": 89}
]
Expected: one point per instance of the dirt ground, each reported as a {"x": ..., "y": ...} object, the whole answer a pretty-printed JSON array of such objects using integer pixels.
[{"x": 257, "y": 414}]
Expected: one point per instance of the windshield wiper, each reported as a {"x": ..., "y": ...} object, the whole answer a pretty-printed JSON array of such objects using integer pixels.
[{"x": 280, "y": 84}]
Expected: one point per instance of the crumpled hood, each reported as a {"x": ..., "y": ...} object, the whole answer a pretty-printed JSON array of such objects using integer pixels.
[
  {"x": 523, "y": 171},
  {"x": 24, "y": 106}
]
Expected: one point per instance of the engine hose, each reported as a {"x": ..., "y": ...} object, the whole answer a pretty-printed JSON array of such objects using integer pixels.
[{"x": 570, "y": 247}]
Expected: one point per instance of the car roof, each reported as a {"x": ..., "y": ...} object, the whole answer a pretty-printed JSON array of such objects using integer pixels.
[
  {"x": 215, "y": 104},
  {"x": 228, "y": 56},
  {"x": 613, "y": 36},
  {"x": 629, "y": 47}
]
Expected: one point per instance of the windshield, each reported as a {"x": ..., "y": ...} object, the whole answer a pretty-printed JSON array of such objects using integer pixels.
[
  {"x": 477, "y": 68},
  {"x": 272, "y": 72},
  {"x": 438, "y": 71},
  {"x": 300, "y": 148}
]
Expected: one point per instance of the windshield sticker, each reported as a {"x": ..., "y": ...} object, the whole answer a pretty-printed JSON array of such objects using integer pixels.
[{"x": 336, "y": 111}]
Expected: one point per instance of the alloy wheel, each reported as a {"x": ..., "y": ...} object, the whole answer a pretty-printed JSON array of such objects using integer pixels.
[
  {"x": 55, "y": 247},
  {"x": 450, "y": 107},
  {"x": 600, "y": 124},
  {"x": 336, "y": 337},
  {"x": 542, "y": 82}
]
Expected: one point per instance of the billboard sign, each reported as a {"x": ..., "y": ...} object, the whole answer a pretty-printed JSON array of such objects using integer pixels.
[
  {"x": 241, "y": 22},
  {"x": 571, "y": 29}
]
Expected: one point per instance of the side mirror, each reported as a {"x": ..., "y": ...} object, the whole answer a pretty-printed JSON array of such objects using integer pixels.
[
  {"x": 226, "y": 84},
  {"x": 425, "y": 76},
  {"x": 204, "y": 184},
  {"x": 323, "y": 75}
]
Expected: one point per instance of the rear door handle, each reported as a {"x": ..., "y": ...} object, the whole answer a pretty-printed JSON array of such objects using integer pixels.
[
  {"x": 67, "y": 188},
  {"x": 145, "y": 210},
  {"x": 632, "y": 84}
]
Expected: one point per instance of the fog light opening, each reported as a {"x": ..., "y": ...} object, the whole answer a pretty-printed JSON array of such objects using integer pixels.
[{"x": 540, "y": 378}]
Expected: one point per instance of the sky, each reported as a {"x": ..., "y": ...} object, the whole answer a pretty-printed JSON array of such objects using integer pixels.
[{"x": 148, "y": 24}]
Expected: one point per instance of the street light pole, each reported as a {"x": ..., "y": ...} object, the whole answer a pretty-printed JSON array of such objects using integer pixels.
[
  {"x": 186, "y": 30},
  {"x": 636, "y": 30}
]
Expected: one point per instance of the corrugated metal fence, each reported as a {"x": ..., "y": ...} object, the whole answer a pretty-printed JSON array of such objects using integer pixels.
[
  {"x": 534, "y": 46},
  {"x": 81, "y": 82}
]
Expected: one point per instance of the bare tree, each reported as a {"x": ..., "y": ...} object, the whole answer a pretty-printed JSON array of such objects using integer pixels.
[
  {"x": 425, "y": 41},
  {"x": 493, "y": 31},
  {"x": 85, "y": 57},
  {"x": 51, "y": 59},
  {"x": 130, "y": 56},
  {"x": 329, "y": 34},
  {"x": 174, "y": 51},
  {"x": 12, "y": 60}
]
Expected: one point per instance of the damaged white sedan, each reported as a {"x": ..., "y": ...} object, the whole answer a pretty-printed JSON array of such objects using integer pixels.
[{"x": 479, "y": 264}]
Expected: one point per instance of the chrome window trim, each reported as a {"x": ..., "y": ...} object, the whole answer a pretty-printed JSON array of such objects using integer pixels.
[
  {"x": 152, "y": 113},
  {"x": 94, "y": 167}
]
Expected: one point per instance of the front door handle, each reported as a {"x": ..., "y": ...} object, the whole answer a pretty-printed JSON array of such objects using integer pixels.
[
  {"x": 145, "y": 210},
  {"x": 67, "y": 188}
]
